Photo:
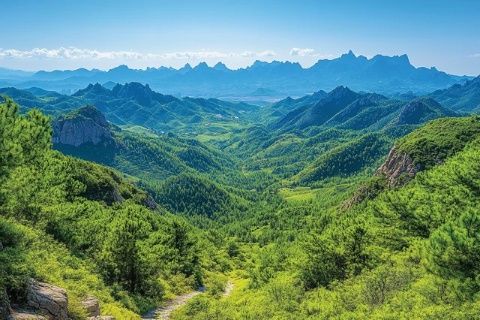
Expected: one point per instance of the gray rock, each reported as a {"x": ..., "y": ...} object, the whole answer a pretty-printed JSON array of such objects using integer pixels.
[
  {"x": 25, "y": 315},
  {"x": 101, "y": 318},
  {"x": 86, "y": 125},
  {"x": 91, "y": 306},
  {"x": 50, "y": 300},
  {"x": 398, "y": 168}
]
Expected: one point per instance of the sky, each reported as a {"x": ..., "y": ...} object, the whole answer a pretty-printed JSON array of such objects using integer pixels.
[{"x": 59, "y": 34}]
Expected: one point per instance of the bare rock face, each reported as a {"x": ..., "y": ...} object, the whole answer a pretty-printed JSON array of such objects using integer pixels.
[
  {"x": 50, "y": 300},
  {"x": 398, "y": 168},
  {"x": 91, "y": 306},
  {"x": 86, "y": 125}
]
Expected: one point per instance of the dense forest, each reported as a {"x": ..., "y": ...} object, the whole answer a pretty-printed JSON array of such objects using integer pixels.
[{"x": 344, "y": 205}]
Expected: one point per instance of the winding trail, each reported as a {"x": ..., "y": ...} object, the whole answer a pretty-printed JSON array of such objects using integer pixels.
[
  {"x": 228, "y": 289},
  {"x": 164, "y": 312}
]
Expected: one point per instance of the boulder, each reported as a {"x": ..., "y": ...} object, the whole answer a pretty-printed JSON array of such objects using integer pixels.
[
  {"x": 50, "y": 300},
  {"x": 91, "y": 306},
  {"x": 25, "y": 315}
]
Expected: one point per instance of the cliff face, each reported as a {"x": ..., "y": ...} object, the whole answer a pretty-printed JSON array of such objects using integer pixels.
[
  {"x": 86, "y": 125},
  {"x": 398, "y": 168}
]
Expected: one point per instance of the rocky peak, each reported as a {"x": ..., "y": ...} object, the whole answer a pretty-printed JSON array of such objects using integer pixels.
[
  {"x": 341, "y": 92},
  {"x": 349, "y": 55},
  {"x": 92, "y": 89},
  {"x": 134, "y": 90},
  {"x": 422, "y": 110},
  {"x": 83, "y": 126},
  {"x": 220, "y": 67},
  {"x": 398, "y": 168}
]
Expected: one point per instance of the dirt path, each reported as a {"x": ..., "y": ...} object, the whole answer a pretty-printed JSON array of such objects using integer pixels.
[
  {"x": 164, "y": 312},
  {"x": 228, "y": 289}
]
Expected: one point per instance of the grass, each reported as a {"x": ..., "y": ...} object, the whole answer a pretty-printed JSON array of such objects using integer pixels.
[{"x": 298, "y": 194}]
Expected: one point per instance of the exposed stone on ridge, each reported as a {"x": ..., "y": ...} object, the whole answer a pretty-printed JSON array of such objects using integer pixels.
[
  {"x": 398, "y": 168},
  {"x": 86, "y": 125},
  {"x": 52, "y": 301},
  {"x": 91, "y": 307}
]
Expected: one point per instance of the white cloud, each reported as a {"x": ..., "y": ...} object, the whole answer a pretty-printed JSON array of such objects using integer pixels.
[
  {"x": 69, "y": 53},
  {"x": 302, "y": 52},
  {"x": 266, "y": 53},
  {"x": 73, "y": 53},
  {"x": 475, "y": 55}
]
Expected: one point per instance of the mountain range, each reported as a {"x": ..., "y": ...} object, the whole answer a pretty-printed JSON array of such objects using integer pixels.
[
  {"x": 381, "y": 74},
  {"x": 136, "y": 104}
]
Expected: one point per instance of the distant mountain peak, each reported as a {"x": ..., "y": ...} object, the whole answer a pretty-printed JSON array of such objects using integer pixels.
[
  {"x": 340, "y": 91},
  {"x": 201, "y": 66},
  {"x": 96, "y": 89},
  {"x": 186, "y": 67},
  {"x": 122, "y": 67},
  {"x": 220, "y": 66},
  {"x": 348, "y": 55},
  {"x": 421, "y": 110},
  {"x": 402, "y": 59}
]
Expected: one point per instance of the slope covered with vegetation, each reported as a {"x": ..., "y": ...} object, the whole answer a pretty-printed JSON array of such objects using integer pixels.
[
  {"x": 408, "y": 253},
  {"x": 84, "y": 227}
]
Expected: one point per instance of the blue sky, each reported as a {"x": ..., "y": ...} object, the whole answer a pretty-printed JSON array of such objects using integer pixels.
[{"x": 58, "y": 34}]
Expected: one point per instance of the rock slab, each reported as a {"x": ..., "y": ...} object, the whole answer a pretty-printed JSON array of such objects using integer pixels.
[
  {"x": 50, "y": 300},
  {"x": 91, "y": 306}
]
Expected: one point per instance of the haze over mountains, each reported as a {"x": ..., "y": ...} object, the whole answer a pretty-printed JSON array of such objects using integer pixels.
[{"x": 381, "y": 74}]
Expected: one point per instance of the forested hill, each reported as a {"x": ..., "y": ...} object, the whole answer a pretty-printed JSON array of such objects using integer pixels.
[
  {"x": 136, "y": 104},
  {"x": 408, "y": 252},
  {"x": 85, "y": 228},
  {"x": 465, "y": 98}
]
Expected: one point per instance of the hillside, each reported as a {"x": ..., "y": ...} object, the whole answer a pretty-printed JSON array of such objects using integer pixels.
[
  {"x": 84, "y": 228},
  {"x": 135, "y": 104},
  {"x": 297, "y": 209},
  {"x": 395, "y": 255},
  {"x": 460, "y": 97},
  {"x": 351, "y": 110},
  {"x": 85, "y": 133},
  {"x": 321, "y": 125}
]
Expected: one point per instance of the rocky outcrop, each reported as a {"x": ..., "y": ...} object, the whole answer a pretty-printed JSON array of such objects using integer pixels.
[
  {"x": 86, "y": 125},
  {"x": 47, "y": 302},
  {"x": 150, "y": 203},
  {"x": 25, "y": 315},
  {"x": 92, "y": 307},
  {"x": 50, "y": 300},
  {"x": 398, "y": 168}
]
